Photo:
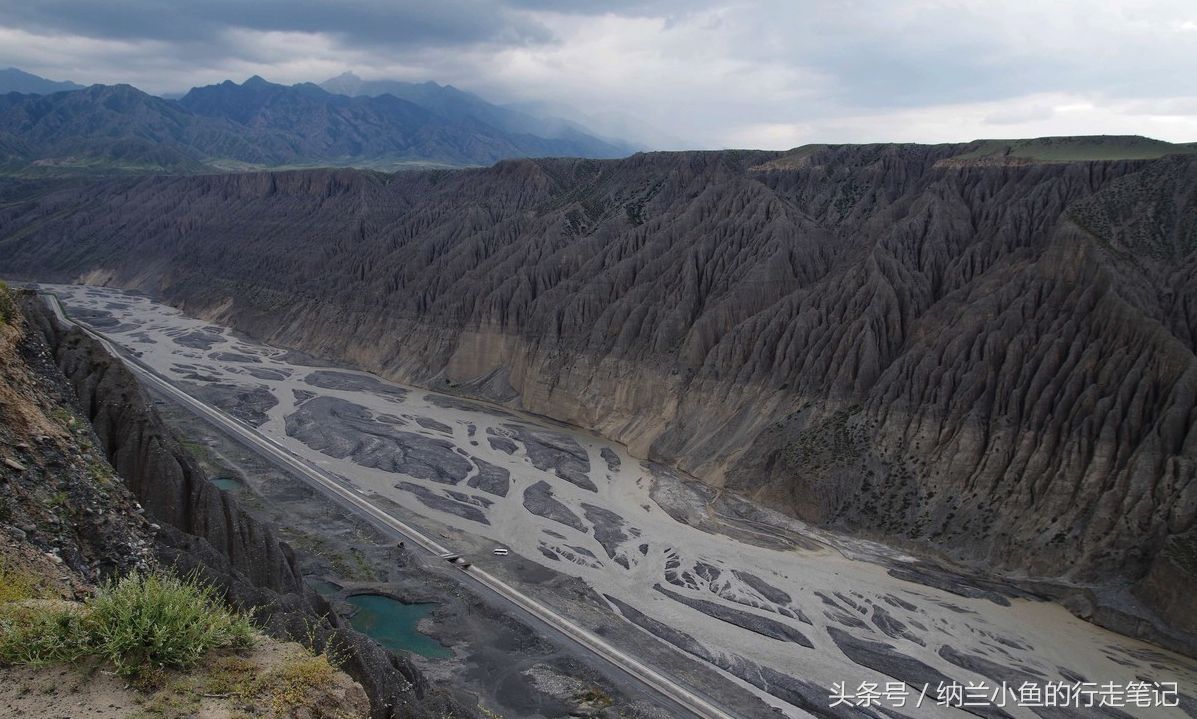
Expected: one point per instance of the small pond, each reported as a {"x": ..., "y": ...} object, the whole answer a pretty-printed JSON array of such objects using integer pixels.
[
  {"x": 228, "y": 484},
  {"x": 393, "y": 624}
]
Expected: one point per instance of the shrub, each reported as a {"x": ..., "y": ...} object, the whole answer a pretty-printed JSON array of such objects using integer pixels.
[
  {"x": 297, "y": 682},
  {"x": 38, "y": 635},
  {"x": 160, "y": 621},
  {"x": 141, "y": 624}
]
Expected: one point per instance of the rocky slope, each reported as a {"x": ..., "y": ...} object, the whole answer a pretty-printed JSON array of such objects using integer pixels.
[
  {"x": 64, "y": 516},
  {"x": 985, "y": 351},
  {"x": 68, "y": 522},
  {"x": 101, "y": 487}
]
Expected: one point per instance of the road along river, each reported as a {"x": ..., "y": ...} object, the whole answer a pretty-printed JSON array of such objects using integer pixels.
[{"x": 804, "y": 618}]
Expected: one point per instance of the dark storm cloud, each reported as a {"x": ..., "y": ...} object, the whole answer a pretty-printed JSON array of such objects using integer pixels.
[
  {"x": 910, "y": 53},
  {"x": 617, "y": 7},
  {"x": 698, "y": 73},
  {"x": 369, "y": 22}
]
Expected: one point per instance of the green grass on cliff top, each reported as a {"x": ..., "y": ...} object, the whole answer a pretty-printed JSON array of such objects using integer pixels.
[
  {"x": 1077, "y": 149},
  {"x": 141, "y": 623}
]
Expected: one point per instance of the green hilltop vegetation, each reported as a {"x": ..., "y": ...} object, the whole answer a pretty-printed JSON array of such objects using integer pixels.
[{"x": 1076, "y": 149}]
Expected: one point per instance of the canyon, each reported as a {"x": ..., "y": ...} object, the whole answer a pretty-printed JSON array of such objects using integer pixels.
[
  {"x": 992, "y": 358},
  {"x": 980, "y": 356},
  {"x": 776, "y": 606}
]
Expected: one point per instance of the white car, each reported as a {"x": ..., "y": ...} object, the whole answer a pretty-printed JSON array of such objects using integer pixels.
[{"x": 500, "y": 551}]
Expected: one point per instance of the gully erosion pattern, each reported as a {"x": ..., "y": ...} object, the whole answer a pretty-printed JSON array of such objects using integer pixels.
[{"x": 783, "y": 609}]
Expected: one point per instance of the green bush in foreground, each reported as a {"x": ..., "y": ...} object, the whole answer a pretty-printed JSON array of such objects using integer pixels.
[
  {"x": 139, "y": 624},
  {"x": 40, "y": 635}
]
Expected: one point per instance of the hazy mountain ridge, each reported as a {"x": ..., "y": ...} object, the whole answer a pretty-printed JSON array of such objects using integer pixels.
[
  {"x": 450, "y": 102},
  {"x": 16, "y": 80},
  {"x": 997, "y": 360},
  {"x": 119, "y": 128}
]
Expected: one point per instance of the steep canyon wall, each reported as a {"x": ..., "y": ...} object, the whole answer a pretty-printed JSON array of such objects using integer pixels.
[{"x": 996, "y": 359}]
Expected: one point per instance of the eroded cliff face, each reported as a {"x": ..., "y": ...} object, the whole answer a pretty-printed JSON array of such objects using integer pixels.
[
  {"x": 66, "y": 520},
  {"x": 198, "y": 528},
  {"x": 995, "y": 359}
]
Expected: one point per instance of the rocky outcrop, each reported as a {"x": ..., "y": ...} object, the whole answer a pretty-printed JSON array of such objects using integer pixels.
[
  {"x": 202, "y": 530},
  {"x": 992, "y": 359},
  {"x": 161, "y": 473},
  {"x": 65, "y": 519}
]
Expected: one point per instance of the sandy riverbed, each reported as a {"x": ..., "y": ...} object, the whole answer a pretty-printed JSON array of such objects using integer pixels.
[{"x": 779, "y": 607}]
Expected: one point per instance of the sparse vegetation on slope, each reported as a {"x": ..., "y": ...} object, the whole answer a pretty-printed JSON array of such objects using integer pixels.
[
  {"x": 139, "y": 624},
  {"x": 1073, "y": 149},
  {"x": 275, "y": 680},
  {"x": 180, "y": 648},
  {"x": 17, "y": 584}
]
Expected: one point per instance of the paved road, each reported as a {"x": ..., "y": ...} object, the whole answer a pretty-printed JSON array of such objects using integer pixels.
[{"x": 352, "y": 499}]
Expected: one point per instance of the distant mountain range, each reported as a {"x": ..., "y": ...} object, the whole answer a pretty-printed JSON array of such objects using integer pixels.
[
  {"x": 14, "y": 80},
  {"x": 61, "y": 128},
  {"x": 450, "y": 102}
]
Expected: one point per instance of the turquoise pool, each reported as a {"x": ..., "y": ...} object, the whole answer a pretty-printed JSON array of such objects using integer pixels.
[
  {"x": 228, "y": 484},
  {"x": 393, "y": 624}
]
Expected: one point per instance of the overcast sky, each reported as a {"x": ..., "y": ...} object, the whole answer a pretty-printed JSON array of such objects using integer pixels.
[{"x": 676, "y": 73}]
